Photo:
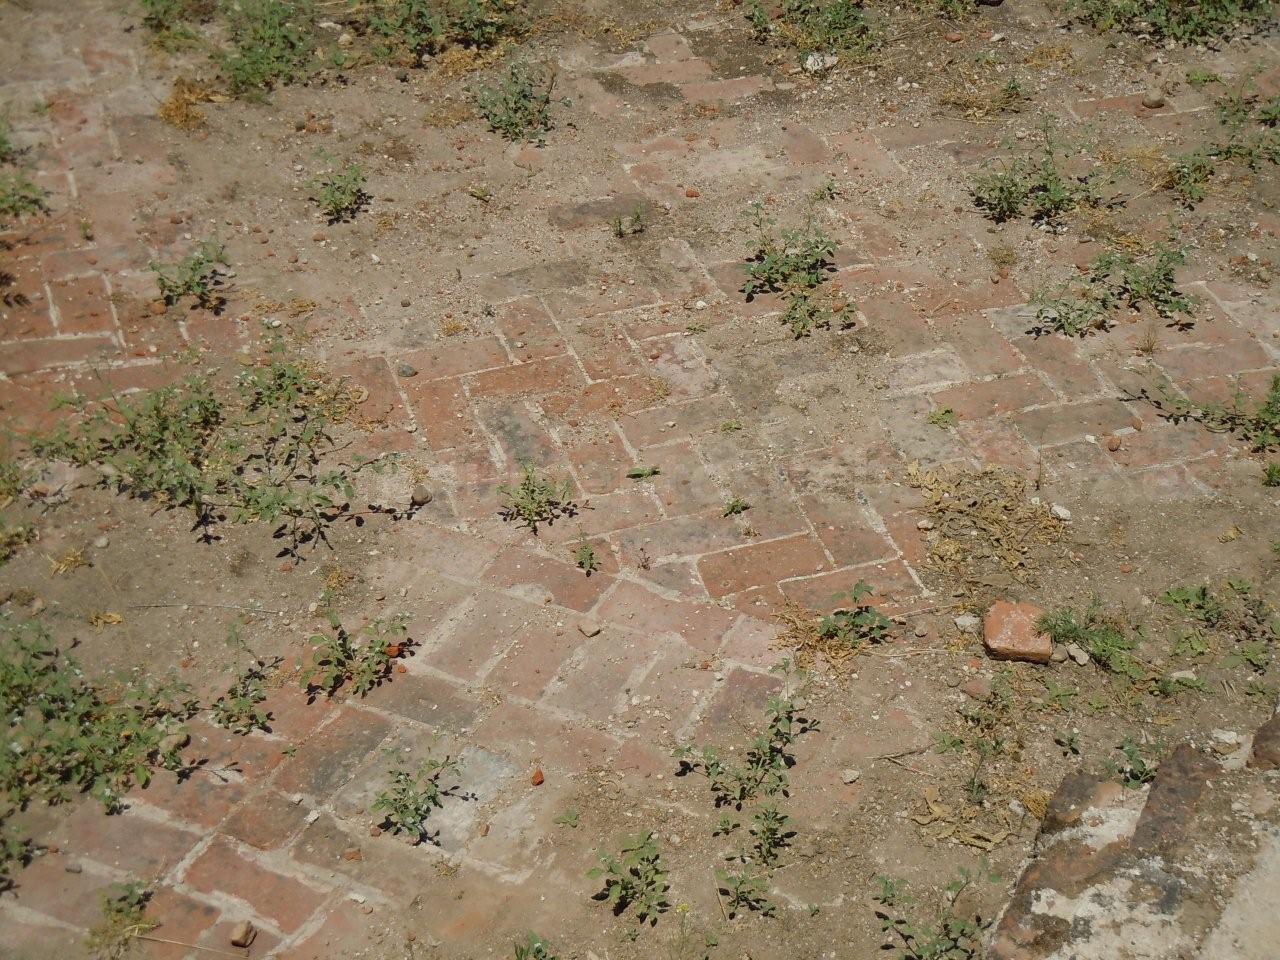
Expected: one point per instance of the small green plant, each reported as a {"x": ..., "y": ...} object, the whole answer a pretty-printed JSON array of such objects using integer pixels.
[
  {"x": 643, "y": 473},
  {"x": 1258, "y": 425},
  {"x": 1271, "y": 474},
  {"x": 1187, "y": 175},
  {"x": 258, "y": 451},
  {"x": 745, "y": 890},
  {"x": 364, "y": 661},
  {"x": 428, "y": 27},
  {"x": 943, "y": 417},
  {"x": 943, "y": 935},
  {"x": 413, "y": 794},
  {"x": 122, "y": 922},
  {"x": 568, "y": 819},
  {"x": 519, "y": 107},
  {"x": 586, "y": 560},
  {"x": 824, "y": 27},
  {"x": 735, "y": 506},
  {"x": 1136, "y": 769},
  {"x": 199, "y": 275},
  {"x": 1198, "y": 78},
  {"x": 1118, "y": 280},
  {"x": 66, "y": 735},
  {"x": 858, "y": 623},
  {"x": 537, "y": 499},
  {"x": 340, "y": 192},
  {"x": 270, "y": 44},
  {"x": 533, "y": 947},
  {"x": 1199, "y": 603},
  {"x": 1036, "y": 187},
  {"x": 629, "y": 227},
  {"x": 1180, "y": 20},
  {"x": 19, "y": 195},
  {"x": 795, "y": 264},
  {"x": 635, "y": 877},
  {"x": 240, "y": 708},
  {"x": 770, "y": 831},
  {"x": 8, "y": 150},
  {"x": 764, "y": 764},
  {"x": 1101, "y": 638}
]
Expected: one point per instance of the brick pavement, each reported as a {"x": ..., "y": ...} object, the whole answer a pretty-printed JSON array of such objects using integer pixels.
[{"x": 524, "y": 662}]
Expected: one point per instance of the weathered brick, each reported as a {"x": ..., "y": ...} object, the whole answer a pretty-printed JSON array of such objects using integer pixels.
[
  {"x": 331, "y": 755},
  {"x": 224, "y": 870},
  {"x": 762, "y": 563},
  {"x": 451, "y": 358}
]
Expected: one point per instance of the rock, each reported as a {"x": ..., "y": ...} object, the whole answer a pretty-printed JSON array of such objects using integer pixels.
[
  {"x": 954, "y": 37},
  {"x": 850, "y": 776},
  {"x": 817, "y": 62},
  {"x": 101, "y": 543},
  {"x": 979, "y": 688},
  {"x": 420, "y": 496},
  {"x": 925, "y": 524},
  {"x": 352, "y": 854},
  {"x": 1266, "y": 746},
  {"x": 1113, "y": 443},
  {"x": 406, "y": 370},
  {"x": 1184, "y": 676},
  {"x": 1153, "y": 99},
  {"x": 1059, "y": 655},
  {"x": 921, "y": 630},
  {"x": 692, "y": 193},
  {"x": 58, "y": 479},
  {"x": 967, "y": 623},
  {"x": 243, "y": 934},
  {"x": 589, "y": 628},
  {"x": 157, "y": 308},
  {"x": 1061, "y": 512},
  {"x": 537, "y": 779},
  {"x": 1009, "y": 633},
  {"x": 1077, "y": 653},
  {"x": 991, "y": 3},
  {"x": 73, "y": 867}
]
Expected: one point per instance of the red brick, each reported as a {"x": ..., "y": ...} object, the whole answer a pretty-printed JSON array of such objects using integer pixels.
[
  {"x": 327, "y": 759},
  {"x": 81, "y": 305},
  {"x": 484, "y": 633},
  {"x": 267, "y": 821},
  {"x": 601, "y": 462},
  {"x": 428, "y": 699},
  {"x": 591, "y": 301},
  {"x": 701, "y": 625},
  {"x": 373, "y": 374},
  {"x": 761, "y": 563},
  {"x": 537, "y": 376},
  {"x": 893, "y": 588},
  {"x": 604, "y": 514},
  {"x": 126, "y": 841},
  {"x": 441, "y": 411},
  {"x": 738, "y": 701},
  {"x": 1009, "y": 632},
  {"x": 988, "y": 398},
  {"x": 563, "y": 582},
  {"x": 688, "y": 536},
  {"x": 224, "y": 870},
  {"x": 521, "y": 437},
  {"x": 1060, "y": 424},
  {"x": 180, "y": 918},
  {"x": 683, "y": 485},
  {"x": 845, "y": 531},
  {"x": 535, "y": 657},
  {"x": 451, "y": 358},
  {"x": 527, "y": 735},
  {"x": 529, "y": 330},
  {"x": 1190, "y": 363},
  {"x": 597, "y": 683},
  {"x": 27, "y": 356}
]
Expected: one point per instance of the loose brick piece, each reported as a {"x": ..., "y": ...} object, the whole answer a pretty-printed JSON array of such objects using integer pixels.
[{"x": 1009, "y": 633}]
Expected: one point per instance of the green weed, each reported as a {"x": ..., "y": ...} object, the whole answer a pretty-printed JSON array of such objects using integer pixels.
[
  {"x": 428, "y": 27},
  {"x": 829, "y": 27},
  {"x": 340, "y": 192},
  {"x": 1180, "y": 20},
  {"x": 765, "y": 762},
  {"x": 585, "y": 559},
  {"x": 19, "y": 195},
  {"x": 1196, "y": 602},
  {"x": 942, "y": 935},
  {"x": 735, "y": 506},
  {"x": 1198, "y": 78},
  {"x": 635, "y": 877},
  {"x": 1258, "y": 424},
  {"x": 533, "y": 947},
  {"x": 770, "y": 832},
  {"x": 66, "y": 735},
  {"x": 258, "y": 452},
  {"x": 1037, "y": 188},
  {"x": 271, "y": 44},
  {"x": 1271, "y": 475},
  {"x": 858, "y": 623},
  {"x": 643, "y": 473},
  {"x": 199, "y": 275},
  {"x": 122, "y": 922},
  {"x": 519, "y": 107},
  {"x": 364, "y": 660},
  {"x": 943, "y": 417},
  {"x": 1098, "y": 636},
  {"x": 537, "y": 499},
  {"x": 795, "y": 263},
  {"x": 744, "y": 890},
  {"x": 240, "y": 708},
  {"x": 630, "y": 227},
  {"x": 1136, "y": 769},
  {"x": 412, "y": 795},
  {"x": 1187, "y": 175}
]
